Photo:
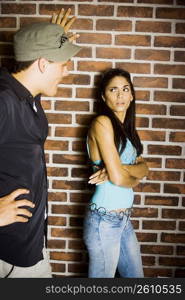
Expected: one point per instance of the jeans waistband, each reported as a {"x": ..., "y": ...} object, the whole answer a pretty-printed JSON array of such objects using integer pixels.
[{"x": 102, "y": 211}]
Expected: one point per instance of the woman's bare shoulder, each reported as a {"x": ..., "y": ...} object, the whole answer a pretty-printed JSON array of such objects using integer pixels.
[{"x": 101, "y": 121}]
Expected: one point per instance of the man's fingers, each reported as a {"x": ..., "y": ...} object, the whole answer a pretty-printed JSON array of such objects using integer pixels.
[
  {"x": 54, "y": 18},
  {"x": 17, "y": 193},
  {"x": 69, "y": 24},
  {"x": 64, "y": 19},
  {"x": 24, "y": 202},
  {"x": 59, "y": 16},
  {"x": 73, "y": 37},
  {"x": 21, "y": 219},
  {"x": 23, "y": 211}
]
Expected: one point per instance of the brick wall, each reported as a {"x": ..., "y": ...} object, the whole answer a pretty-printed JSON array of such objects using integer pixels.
[{"x": 145, "y": 37}]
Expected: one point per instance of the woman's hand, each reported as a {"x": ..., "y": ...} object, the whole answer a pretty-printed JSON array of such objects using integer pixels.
[
  {"x": 99, "y": 177},
  {"x": 62, "y": 19}
]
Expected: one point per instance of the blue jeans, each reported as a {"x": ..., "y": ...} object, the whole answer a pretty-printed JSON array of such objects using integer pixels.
[{"x": 111, "y": 244}]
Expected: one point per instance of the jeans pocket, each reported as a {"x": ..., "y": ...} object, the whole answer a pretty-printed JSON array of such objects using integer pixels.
[{"x": 112, "y": 220}]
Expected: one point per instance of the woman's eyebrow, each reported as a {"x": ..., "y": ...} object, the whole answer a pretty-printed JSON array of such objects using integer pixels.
[{"x": 116, "y": 86}]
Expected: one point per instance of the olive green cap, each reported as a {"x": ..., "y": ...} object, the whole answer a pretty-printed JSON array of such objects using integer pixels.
[{"x": 46, "y": 40}]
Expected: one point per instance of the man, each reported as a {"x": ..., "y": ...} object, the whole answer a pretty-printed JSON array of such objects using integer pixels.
[{"x": 42, "y": 51}]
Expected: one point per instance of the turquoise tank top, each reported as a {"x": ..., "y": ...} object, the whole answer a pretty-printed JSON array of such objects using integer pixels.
[{"x": 109, "y": 195}]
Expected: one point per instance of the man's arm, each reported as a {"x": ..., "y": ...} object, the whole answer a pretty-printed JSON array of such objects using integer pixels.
[{"x": 11, "y": 210}]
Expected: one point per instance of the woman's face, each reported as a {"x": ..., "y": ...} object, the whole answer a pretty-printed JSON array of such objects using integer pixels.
[{"x": 118, "y": 94}]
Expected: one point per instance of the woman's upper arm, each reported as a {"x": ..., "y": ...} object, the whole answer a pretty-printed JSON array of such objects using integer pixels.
[{"x": 102, "y": 132}]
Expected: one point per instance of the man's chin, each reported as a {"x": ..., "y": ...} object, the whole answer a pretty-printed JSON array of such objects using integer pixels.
[{"x": 50, "y": 93}]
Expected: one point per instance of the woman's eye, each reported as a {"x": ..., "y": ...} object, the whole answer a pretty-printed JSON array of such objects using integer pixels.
[
  {"x": 112, "y": 89},
  {"x": 126, "y": 89}
]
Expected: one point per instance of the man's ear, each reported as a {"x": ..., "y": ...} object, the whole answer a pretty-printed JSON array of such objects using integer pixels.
[{"x": 42, "y": 64}]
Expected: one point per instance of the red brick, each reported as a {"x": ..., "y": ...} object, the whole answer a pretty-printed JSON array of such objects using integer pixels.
[
  {"x": 93, "y": 66},
  {"x": 174, "y": 188},
  {"x": 83, "y": 24},
  {"x": 161, "y": 200},
  {"x": 142, "y": 122},
  {"x": 182, "y": 226},
  {"x": 133, "y": 40},
  {"x": 71, "y": 132},
  {"x": 68, "y": 209},
  {"x": 157, "y": 272},
  {"x": 78, "y": 268},
  {"x": 169, "y": 69},
  {"x": 26, "y": 21},
  {"x": 147, "y": 188},
  {"x": 164, "y": 150},
  {"x": 148, "y": 26},
  {"x": 56, "y": 196},
  {"x": 179, "y": 55},
  {"x": 153, "y": 162},
  {"x": 85, "y": 93},
  {"x": 180, "y": 28},
  {"x": 46, "y": 104},
  {"x": 54, "y": 118},
  {"x": 168, "y": 123},
  {"x": 142, "y": 95},
  {"x": 116, "y": 25},
  {"x": 84, "y": 119},
  {"x": 18, "y": 8},
  {"x": 151, "y": 135},
  {"x": 54, "y": 171},
  {"x": 163, "y": 176},
  {"x": 177, "y": 110},
  {"x": 76, "y": 79},
  {"x": 79, "y": 146},
  {"x": 175, "y": 163},
  {"x": 48, "y": 9},
  {"x": 64, "y": 92},
  {"x": 6, "y": 36},
  {"x": 69, "y": 185},
  {"x": 58, "y": 267},
  {"x": 170, "y": 13},
  {"x": 156, "y": 1},
  {"x": 179, "y": 273},
  {"x": 156, "y": 249},
  {"x": 95, "y": 38},
  {"x": 66, "y": 256},
  {"x": 76, "y": 245},
  {"x": 145, "y": 212},
  {"x": 63, "y": 233},
  {"x": 95, "y": 10},
  {"x": 56, "y": 145},
  {"x": 72, "y": 105},
  {"x": 146, "y": 237},
  {"x": 56, "y": 244},
  {"x": 116, "y": 53},
  {"x": 7, "y": 22},
  {"x": 177, "y": 136},
  {"x": 69, "y": 159},
  {"x": 80, "y": 197},
  {"x": 56, "y": 221},
  {"x": 79, "y": 172},
  {"x": 171, "y": 261},
  {"x": 148, "y": 260},
  {"x": 153, "y": 82},
  {"x": 135, "y": 11},
  {"x": 172, "y": 238},
  {"x": 159, "y": 225},
  {"x": 151, "y": 109},
  {"x": 76, "y": 221},
  {"x": 173, "y": 213},
  {"x": 147, "y": 54},
  {"x": 180, "y": 250},
  {"x": 140, "y": 68},
  {"x": 120, "y": 1},
  {"x": 178, "y": 83},
  {"x": 169, "y": 41},
  {"x": 85, "y": 52},
  {"x": 169, "y": 96}
]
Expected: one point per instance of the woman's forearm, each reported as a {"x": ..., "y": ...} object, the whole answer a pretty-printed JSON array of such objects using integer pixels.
[{"x": 138, "y": 170}]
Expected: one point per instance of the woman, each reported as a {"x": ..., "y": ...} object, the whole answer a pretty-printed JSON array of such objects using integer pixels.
[{"x": 113, "y": 143}]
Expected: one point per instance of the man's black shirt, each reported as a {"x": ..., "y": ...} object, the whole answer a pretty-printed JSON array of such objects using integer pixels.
[{"x": 23, "y": 130}]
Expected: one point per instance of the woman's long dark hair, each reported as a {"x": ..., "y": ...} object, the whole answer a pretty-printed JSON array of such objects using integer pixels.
[{"x": 125, "y": 130}]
